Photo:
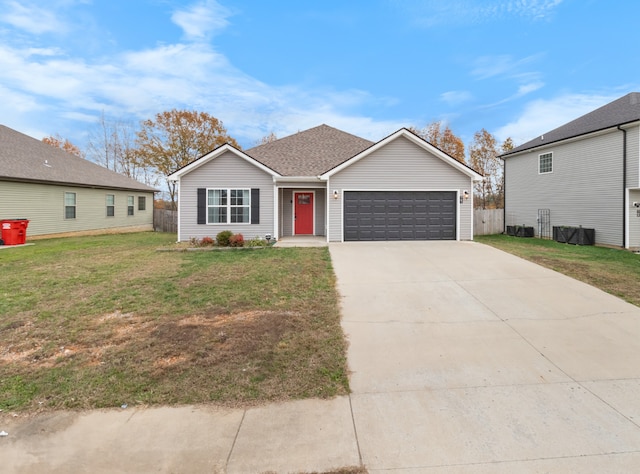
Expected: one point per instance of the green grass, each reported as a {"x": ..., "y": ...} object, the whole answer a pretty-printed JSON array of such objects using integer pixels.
[
  {"x": 615, "y": 271},
  {"x": 101, "y": 321}
]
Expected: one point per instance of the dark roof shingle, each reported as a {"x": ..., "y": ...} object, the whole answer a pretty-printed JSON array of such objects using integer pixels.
[
  {"x": 310, "y": 152},
  {"x": 24, "y": 158},
  {"x": 623, "y": 110}
]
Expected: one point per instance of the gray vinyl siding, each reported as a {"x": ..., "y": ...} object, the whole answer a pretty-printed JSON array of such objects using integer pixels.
[
  {"x": 634, "y": 219},
  {"x": 584, "y": 189},
  {"x": 286, "y": 222},
  {"x": 227, "y": 171},
  {"x": 633, "y": 157},
  {"x": 286, "y": 211},
  {"x": 43, "y": 205},
  {"x": 400, "y": 165}
]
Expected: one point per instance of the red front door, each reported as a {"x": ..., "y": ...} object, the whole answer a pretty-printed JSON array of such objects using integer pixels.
[{"x": 303, "y": 213}]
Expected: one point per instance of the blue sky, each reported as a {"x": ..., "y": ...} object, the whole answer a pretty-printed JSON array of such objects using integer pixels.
[{"x": 517, "y": 68}]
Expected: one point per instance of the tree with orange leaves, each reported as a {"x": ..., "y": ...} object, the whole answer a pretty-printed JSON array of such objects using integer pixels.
[
  {"x": 57, "y": 141},
  {"x": 442, "y": 138},
  {"x": 177, "y": 137}
]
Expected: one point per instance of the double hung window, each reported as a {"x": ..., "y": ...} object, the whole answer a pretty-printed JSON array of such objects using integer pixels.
[{"x": 228, "y": 206}]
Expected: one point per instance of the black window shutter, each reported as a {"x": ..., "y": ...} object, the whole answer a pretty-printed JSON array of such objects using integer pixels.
[
  {"x": 255, "y": 206},
  {"x": 202, "y": 206}
]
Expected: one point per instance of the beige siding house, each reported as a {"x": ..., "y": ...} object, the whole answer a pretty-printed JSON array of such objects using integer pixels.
[
  {"x": 585, "y": 173},
  {"x": 62, "y": 194},
  {"x": 326, "y": 182}
]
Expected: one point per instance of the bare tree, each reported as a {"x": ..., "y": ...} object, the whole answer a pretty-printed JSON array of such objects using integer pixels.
[
  {"x": 112, "y": 144},
  {"x": 272, "y": 137},
  {"x": 483, "y": 157}
]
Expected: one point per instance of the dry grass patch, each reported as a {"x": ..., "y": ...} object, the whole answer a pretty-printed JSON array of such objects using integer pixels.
[{"x": 110, "y": 321}]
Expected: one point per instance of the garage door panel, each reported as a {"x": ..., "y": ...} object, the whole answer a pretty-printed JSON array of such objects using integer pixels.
[{"x": 400, "y": 215}]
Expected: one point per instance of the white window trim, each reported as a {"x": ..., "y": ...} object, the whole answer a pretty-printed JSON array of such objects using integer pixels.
[
  {"x": 229, "y": 206},
  {"x": 107, "y": 205},
  {"x": 131, "y": 199},
  {"x": 540, "y": 158},
  {"x": 75, "y": 205}
]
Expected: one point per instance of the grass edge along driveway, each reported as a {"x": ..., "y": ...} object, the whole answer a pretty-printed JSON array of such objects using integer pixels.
[
  {"x": 615, "y": 271},
  {"x": 102, "y": 321}
]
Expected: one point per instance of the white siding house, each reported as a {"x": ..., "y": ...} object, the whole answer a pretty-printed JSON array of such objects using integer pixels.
[
  {"x": 584, "y": 173},
  {"x": 329, "y": 183}
]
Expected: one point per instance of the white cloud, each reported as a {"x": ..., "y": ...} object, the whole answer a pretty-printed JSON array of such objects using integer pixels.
[
  {"x": 437, "y": 12},
  {"x": 202, "y": 19},
  {"x": 31, "y": 18},
  {"x": 486, "y": 67},
  {"x": 542, "y": 116},
  {"x": 50, "y": 87},
  {"x": 456, "y": 97}
]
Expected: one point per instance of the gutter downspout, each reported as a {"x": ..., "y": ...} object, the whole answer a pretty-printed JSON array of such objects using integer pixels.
[{"x": 624, "y": 187}]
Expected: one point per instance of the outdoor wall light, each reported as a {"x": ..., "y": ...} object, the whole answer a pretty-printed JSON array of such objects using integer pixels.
[
  {"x": 465, "y": 194},
  {"x": 335, "y": 194}
]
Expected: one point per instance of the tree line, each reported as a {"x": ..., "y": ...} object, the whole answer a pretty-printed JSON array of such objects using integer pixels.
[{"x": 152, "y": 149}]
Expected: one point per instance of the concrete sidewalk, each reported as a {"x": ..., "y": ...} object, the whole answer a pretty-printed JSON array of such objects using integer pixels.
[{"x": 300, "y": 436}]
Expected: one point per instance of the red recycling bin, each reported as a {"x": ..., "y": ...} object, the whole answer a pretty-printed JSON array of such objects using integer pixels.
[{"x": 14, "y": 231}]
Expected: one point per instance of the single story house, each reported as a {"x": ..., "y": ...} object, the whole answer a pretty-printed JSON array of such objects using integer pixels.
[
  {"x": 60, "y": 193},
  {"x": 326, "y": 182},
  {"x": 583, "y": 173}
]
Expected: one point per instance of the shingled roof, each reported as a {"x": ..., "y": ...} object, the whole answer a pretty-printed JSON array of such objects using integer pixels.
[
  {"x": 309, "y": 153},
  {"x": 23, "y": 158},
  {"x": 621, "y": 111}
]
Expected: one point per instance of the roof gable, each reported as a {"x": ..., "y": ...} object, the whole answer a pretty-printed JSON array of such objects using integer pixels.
[
  {"x": 403, "y": 132},
  {"x": 626, "y": 109},
  {"x": 212, "y": 155},
  {"x": 23, "y": 158},
  {"x": 310, "y": 152}
]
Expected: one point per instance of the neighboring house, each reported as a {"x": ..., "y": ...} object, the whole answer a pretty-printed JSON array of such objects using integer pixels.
[
  {"x": 584, "y": 173},
  {"x": 326, "y": 182},
  {"x": 60, "y": 193}
]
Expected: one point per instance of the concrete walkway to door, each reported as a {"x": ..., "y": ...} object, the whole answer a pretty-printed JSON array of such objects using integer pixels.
[{"x": 467, "y": 359}]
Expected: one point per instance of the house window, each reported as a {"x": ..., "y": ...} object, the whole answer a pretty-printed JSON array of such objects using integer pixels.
[
  {"x": 111, "y": 205},
  {"x": 228, "y": 206},
  {"x": 142, "y": 203},
  {"x": 69, "y": 205},
  {"x": 130, "y": 204},
  {"x": 545, "y": 163}
]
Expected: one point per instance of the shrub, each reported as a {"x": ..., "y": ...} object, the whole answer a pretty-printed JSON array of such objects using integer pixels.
[
  {"x": 223, "y": 238},
  {"x": 236, "y": 240},
  {"x": 207, "y": 242},
  {"x": 256, "y": 242}
]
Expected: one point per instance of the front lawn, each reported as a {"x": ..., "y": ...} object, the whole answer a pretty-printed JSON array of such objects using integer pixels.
[
  {"x": 104, "y": 321},
  {"x": 615, "y": 271}
]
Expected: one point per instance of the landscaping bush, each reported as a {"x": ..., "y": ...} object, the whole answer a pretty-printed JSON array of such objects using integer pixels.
[
  {"x": 256, "y": 242},
  {"x": 207, "y": 242},
  {"x": 223, "y": 238},
  {"x": 236, "y": 240}
]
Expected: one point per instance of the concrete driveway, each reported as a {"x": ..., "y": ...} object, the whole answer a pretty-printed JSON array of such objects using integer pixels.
[{"x": 467, "y": 359}]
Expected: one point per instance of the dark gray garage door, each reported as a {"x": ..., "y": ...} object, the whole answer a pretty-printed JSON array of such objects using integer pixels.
[{"x": 399, "y": 215}]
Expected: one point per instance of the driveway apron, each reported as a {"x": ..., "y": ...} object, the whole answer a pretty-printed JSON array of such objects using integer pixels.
[{"x": 466, "y": 358}]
